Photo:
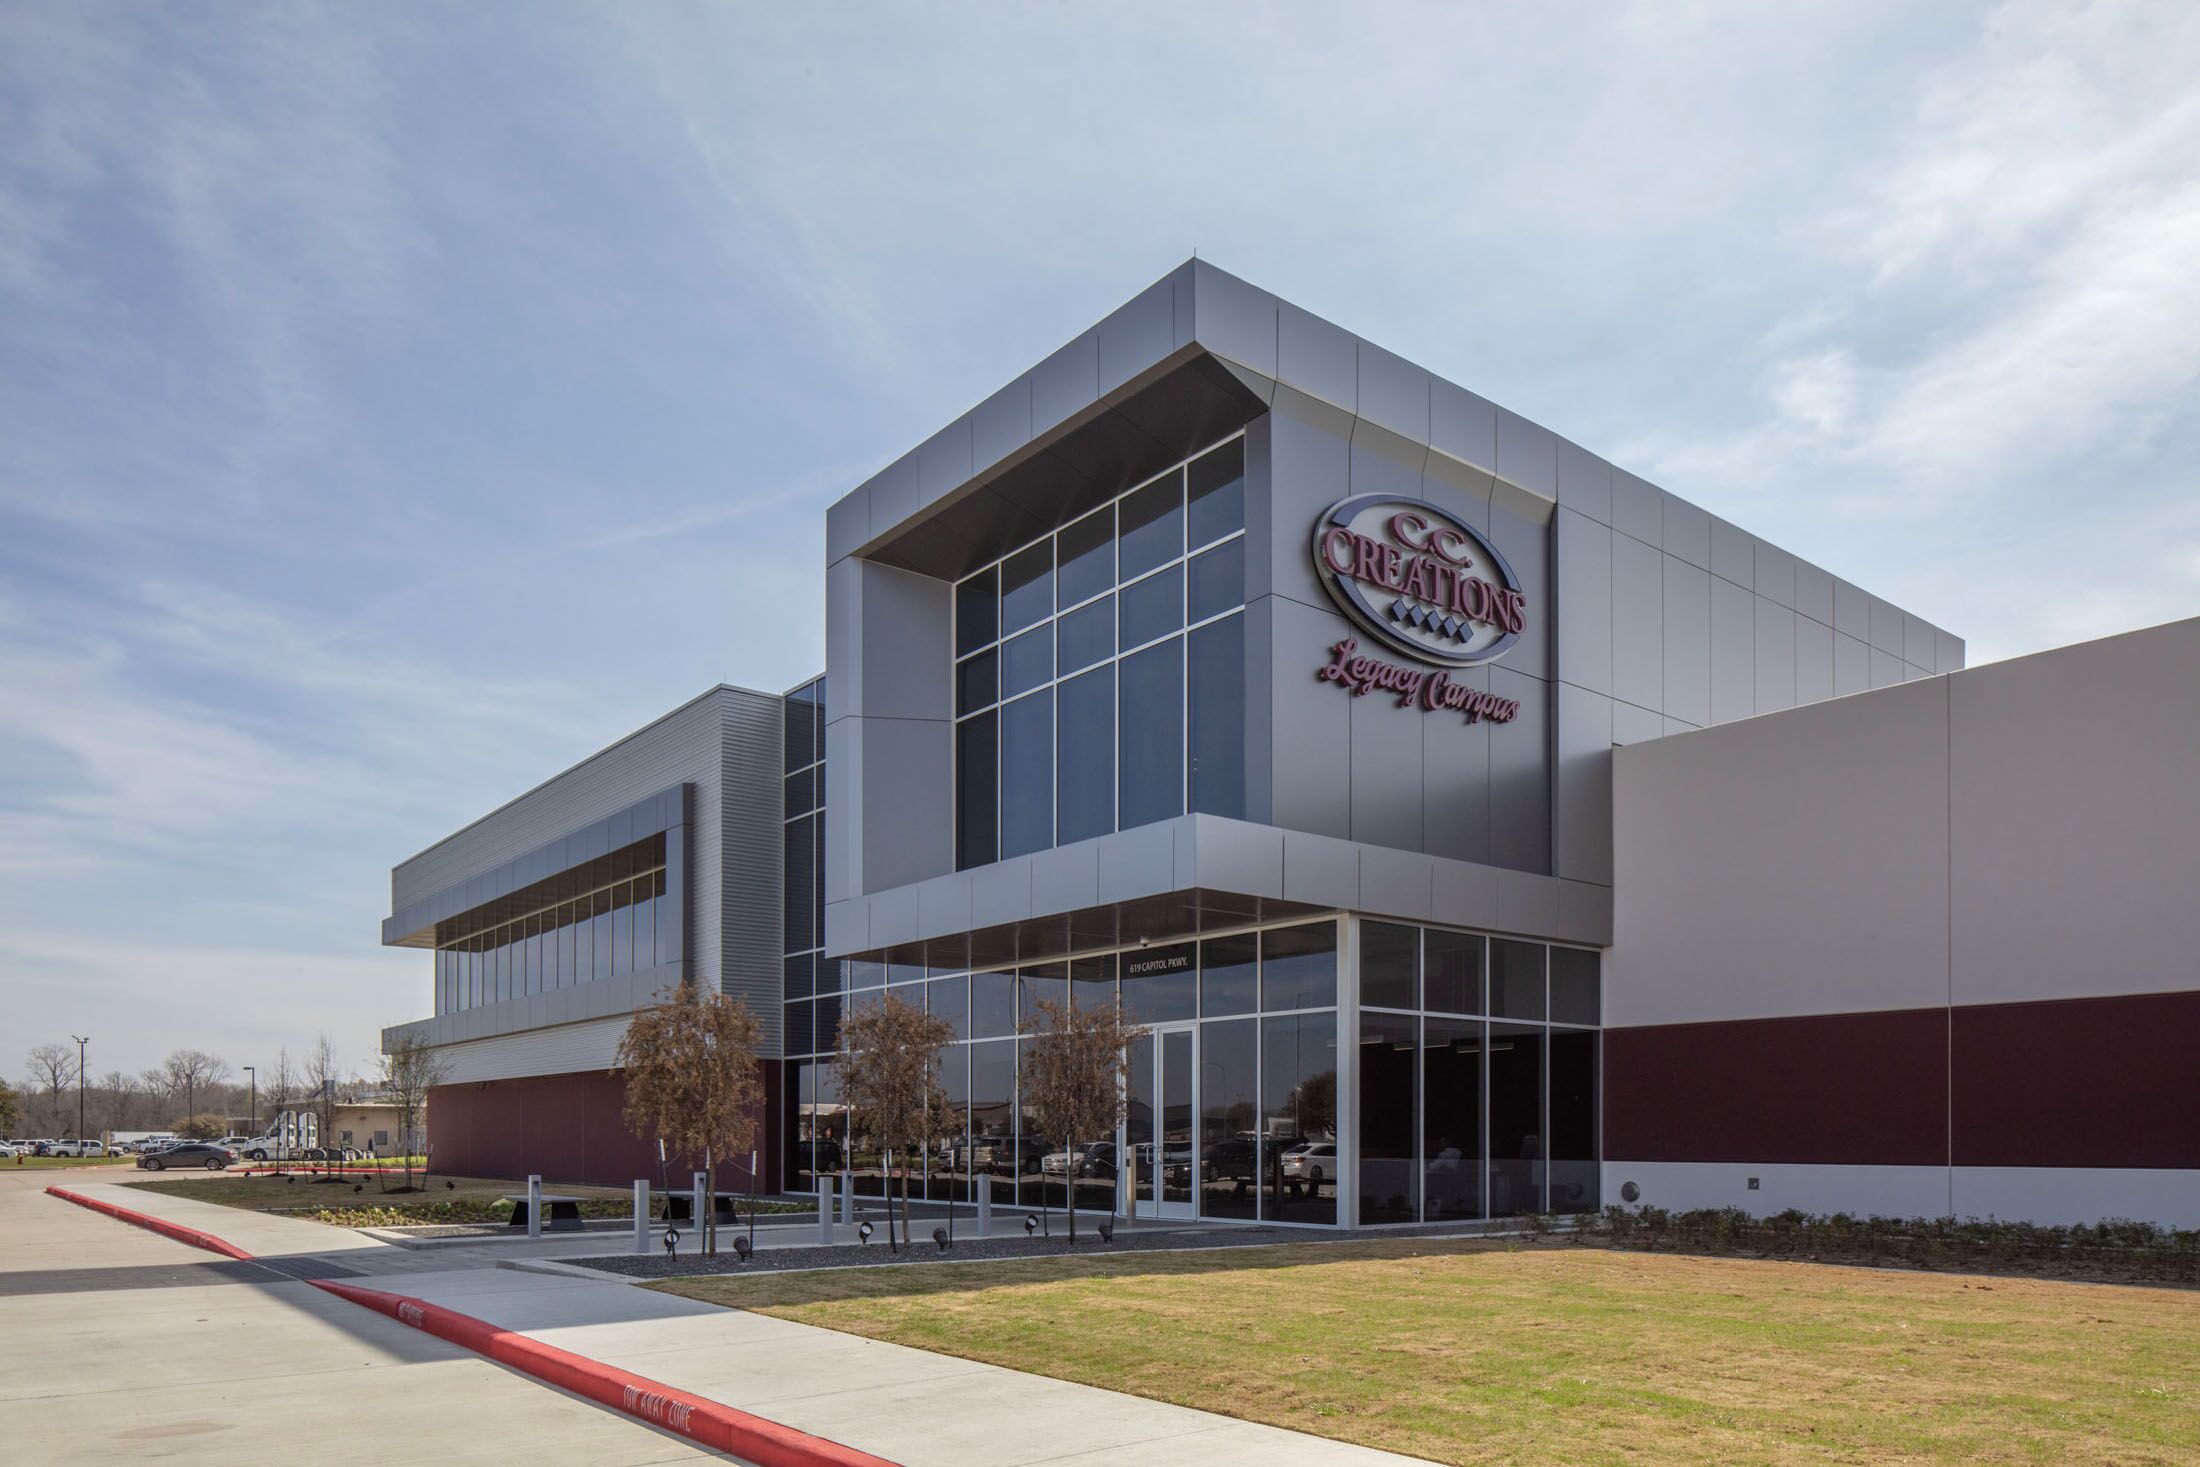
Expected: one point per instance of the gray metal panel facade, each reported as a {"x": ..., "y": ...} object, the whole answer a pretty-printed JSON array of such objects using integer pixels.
[
  {"x": 726, "y": 744},
  {"x": 1649, "y": 614}
]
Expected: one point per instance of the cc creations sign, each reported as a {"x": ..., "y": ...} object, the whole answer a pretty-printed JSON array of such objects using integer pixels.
[{"x": 1424, "y": 584}]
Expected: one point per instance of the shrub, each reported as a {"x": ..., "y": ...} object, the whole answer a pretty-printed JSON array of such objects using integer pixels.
[{"x": 2117, "y": 1247}]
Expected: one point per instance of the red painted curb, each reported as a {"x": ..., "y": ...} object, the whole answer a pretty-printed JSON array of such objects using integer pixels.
[
  {"x": 766, "y": 1443},
  {"x": 177, "y": 1231},
  {"x": 713, "y": 1424}
]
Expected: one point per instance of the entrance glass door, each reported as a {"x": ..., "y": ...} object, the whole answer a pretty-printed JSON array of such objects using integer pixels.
[{"x": 1158, "y": 1124}]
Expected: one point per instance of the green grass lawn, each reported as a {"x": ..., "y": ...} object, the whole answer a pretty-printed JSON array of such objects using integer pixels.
[
  {"x": 366, "y": 1202},
  {"x": 56, "y": 1163},
  {"x": 1480, "y": 1352}
]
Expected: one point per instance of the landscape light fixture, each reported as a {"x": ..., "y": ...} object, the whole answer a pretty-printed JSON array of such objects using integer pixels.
[
  {"x": 1031, "y": 1223},
  {"x": 672, "y": 1242},
  {"x": 939, "y": 1236},
  {"x": 863, "y": 1231},
  {"x": 743, "y": 1247},
  {"x": 1107, "y": 1230}
]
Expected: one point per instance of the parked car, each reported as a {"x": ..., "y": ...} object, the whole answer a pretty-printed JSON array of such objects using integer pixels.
[
  {"x": 1005, "y": 1156},
  {"x": 1308, "y": 1164},
  {"x": 8, "y": 1149},
  {"x": 72, "y": 1147},
  {"x": 1098, "y": 1160},
  {"x": 188, "y": 1153}
]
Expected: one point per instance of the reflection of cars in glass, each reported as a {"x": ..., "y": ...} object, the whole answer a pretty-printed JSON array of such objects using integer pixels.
[
  {"x": 827, "y": 1155},
  {"x": 1308, "y": 1164},
  {"x": 1098, "y": 1160},
  {"x": 1008, "y": 1155},
  {"x": 1229, "y": 1161}
]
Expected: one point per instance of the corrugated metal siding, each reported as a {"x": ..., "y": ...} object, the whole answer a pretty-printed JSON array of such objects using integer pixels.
[
  {"x": 749, "y": 879},
  {"x": 567, "y": 1049},
  {"x": 681, "y": 746}
]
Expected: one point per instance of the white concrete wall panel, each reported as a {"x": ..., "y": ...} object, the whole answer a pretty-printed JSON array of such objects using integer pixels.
[
  {"x": 1790, "y": 865},
  {"x": 1813, "y": 661},
  {"x": 2076, "y": 820},
  {"x": 1865, "y": 1191},
  {"x": 1584, "y": 786}
]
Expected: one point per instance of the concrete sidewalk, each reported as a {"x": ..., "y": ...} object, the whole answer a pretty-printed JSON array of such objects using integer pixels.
[
  {"x": 117, "y": 1345},
  {"x": 908, "y": 1405}
]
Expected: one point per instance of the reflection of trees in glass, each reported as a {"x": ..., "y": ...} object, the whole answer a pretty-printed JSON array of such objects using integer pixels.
[
  {"x": 890, "y": 1081},
  {"x": 1312, "y": 1105},
  {"x": 1075, "y": 1069}
]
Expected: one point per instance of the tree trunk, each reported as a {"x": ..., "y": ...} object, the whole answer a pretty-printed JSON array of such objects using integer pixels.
[{"x": 710, "y": 1205}]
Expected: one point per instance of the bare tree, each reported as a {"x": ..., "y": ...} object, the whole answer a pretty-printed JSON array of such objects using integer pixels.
[
  {"x": 410, "y": 1069},
  {"x": 192, "y": 1074},
  {"x": 890, "y": 1082},
  {"x": 53, "y": 1071},
  {"x": 321, "y": 1078},
  {"x": 11, "y": 1110},
  {"x": 1075, "y": 1071},
  {"x": 120, "y": 1097},
  {"x": 693, "y": 1079}
]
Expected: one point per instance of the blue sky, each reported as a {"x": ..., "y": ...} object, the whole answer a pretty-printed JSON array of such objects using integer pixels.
[{"x": 399, "y": 402}]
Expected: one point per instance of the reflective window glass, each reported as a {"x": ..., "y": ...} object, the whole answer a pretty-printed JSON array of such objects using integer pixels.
[
  {"x": 1085, "y": 557},
  {"x": 1229, "y": 1119},
  {"x": 1217, "y": 490},
  {"x": 1084, "y": 733},
  {"x": 1218, "y": 580},
  {"x": 978, "y": 610},
  {"x": 1150, "y": 735},
  {"x": 1573, "y": 1118},
  {"x": 1451, "y": 1117},
  {"x": 1027, "y": 661},
  {"x": 1160, "y": 984},
  {"x": 799, "y": 725},
  {"x": 1298, "y": 1102},
  {"x": 1573, "y": 986},
  {"x": 1153, "y": 607},
  {"x": 977, "y": 790},
  {"x": 1216, "y": 653},
  {"x": 992, "y": 1005},
  {"x": 1151, "y": 525},
  {"x": 1027, "y": 587},
  {"x": 796, "y": 975},
  {"x": 1298, "y": 967},
  {"x": 1516, "y": 979},
  {"x": 1390, "y": 966},
  {"x": 1389, "y": 1175},
  {"x": 1516, "y": 1119},
  {"x": 1038, "y": 984},
  {"x": 1229, "y": 971},
  {"x": 949, "y": 999},
  {"x": 1086, "y": 635},
  {"x": 977, "y": 682},
  {"x": 1027, "y": 775},
  {"x": 1452, "y": 962}
]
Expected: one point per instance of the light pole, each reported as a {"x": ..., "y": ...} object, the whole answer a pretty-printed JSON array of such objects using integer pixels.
[
  {"x": 81, "y": 1041},
  {"x": 252, "y": 1073}
]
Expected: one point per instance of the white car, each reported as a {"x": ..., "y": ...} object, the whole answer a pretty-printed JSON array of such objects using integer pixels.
[{"x": 76, "y": 1148}]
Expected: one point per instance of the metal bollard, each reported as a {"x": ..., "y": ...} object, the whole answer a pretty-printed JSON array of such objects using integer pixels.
[
  {"x": 699, "y": 1219},
  {"x": 985, "y": 1206},
  {"x": 848, "y": 1199},
  {"x": 641, "y": 1215},
  {"x": 534, "y": 1204},
  {"x": 825, "y": 1209}
]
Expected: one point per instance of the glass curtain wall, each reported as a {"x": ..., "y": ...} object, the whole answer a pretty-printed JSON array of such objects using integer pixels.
[
  {"x": 1256, "y": 1016},
  {"x": 1478, "y": 1076},
  {"x": 1100, "y": 670},
  {"x": 813, "y": 1130},
  {"x": 606, "y": 932}
]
